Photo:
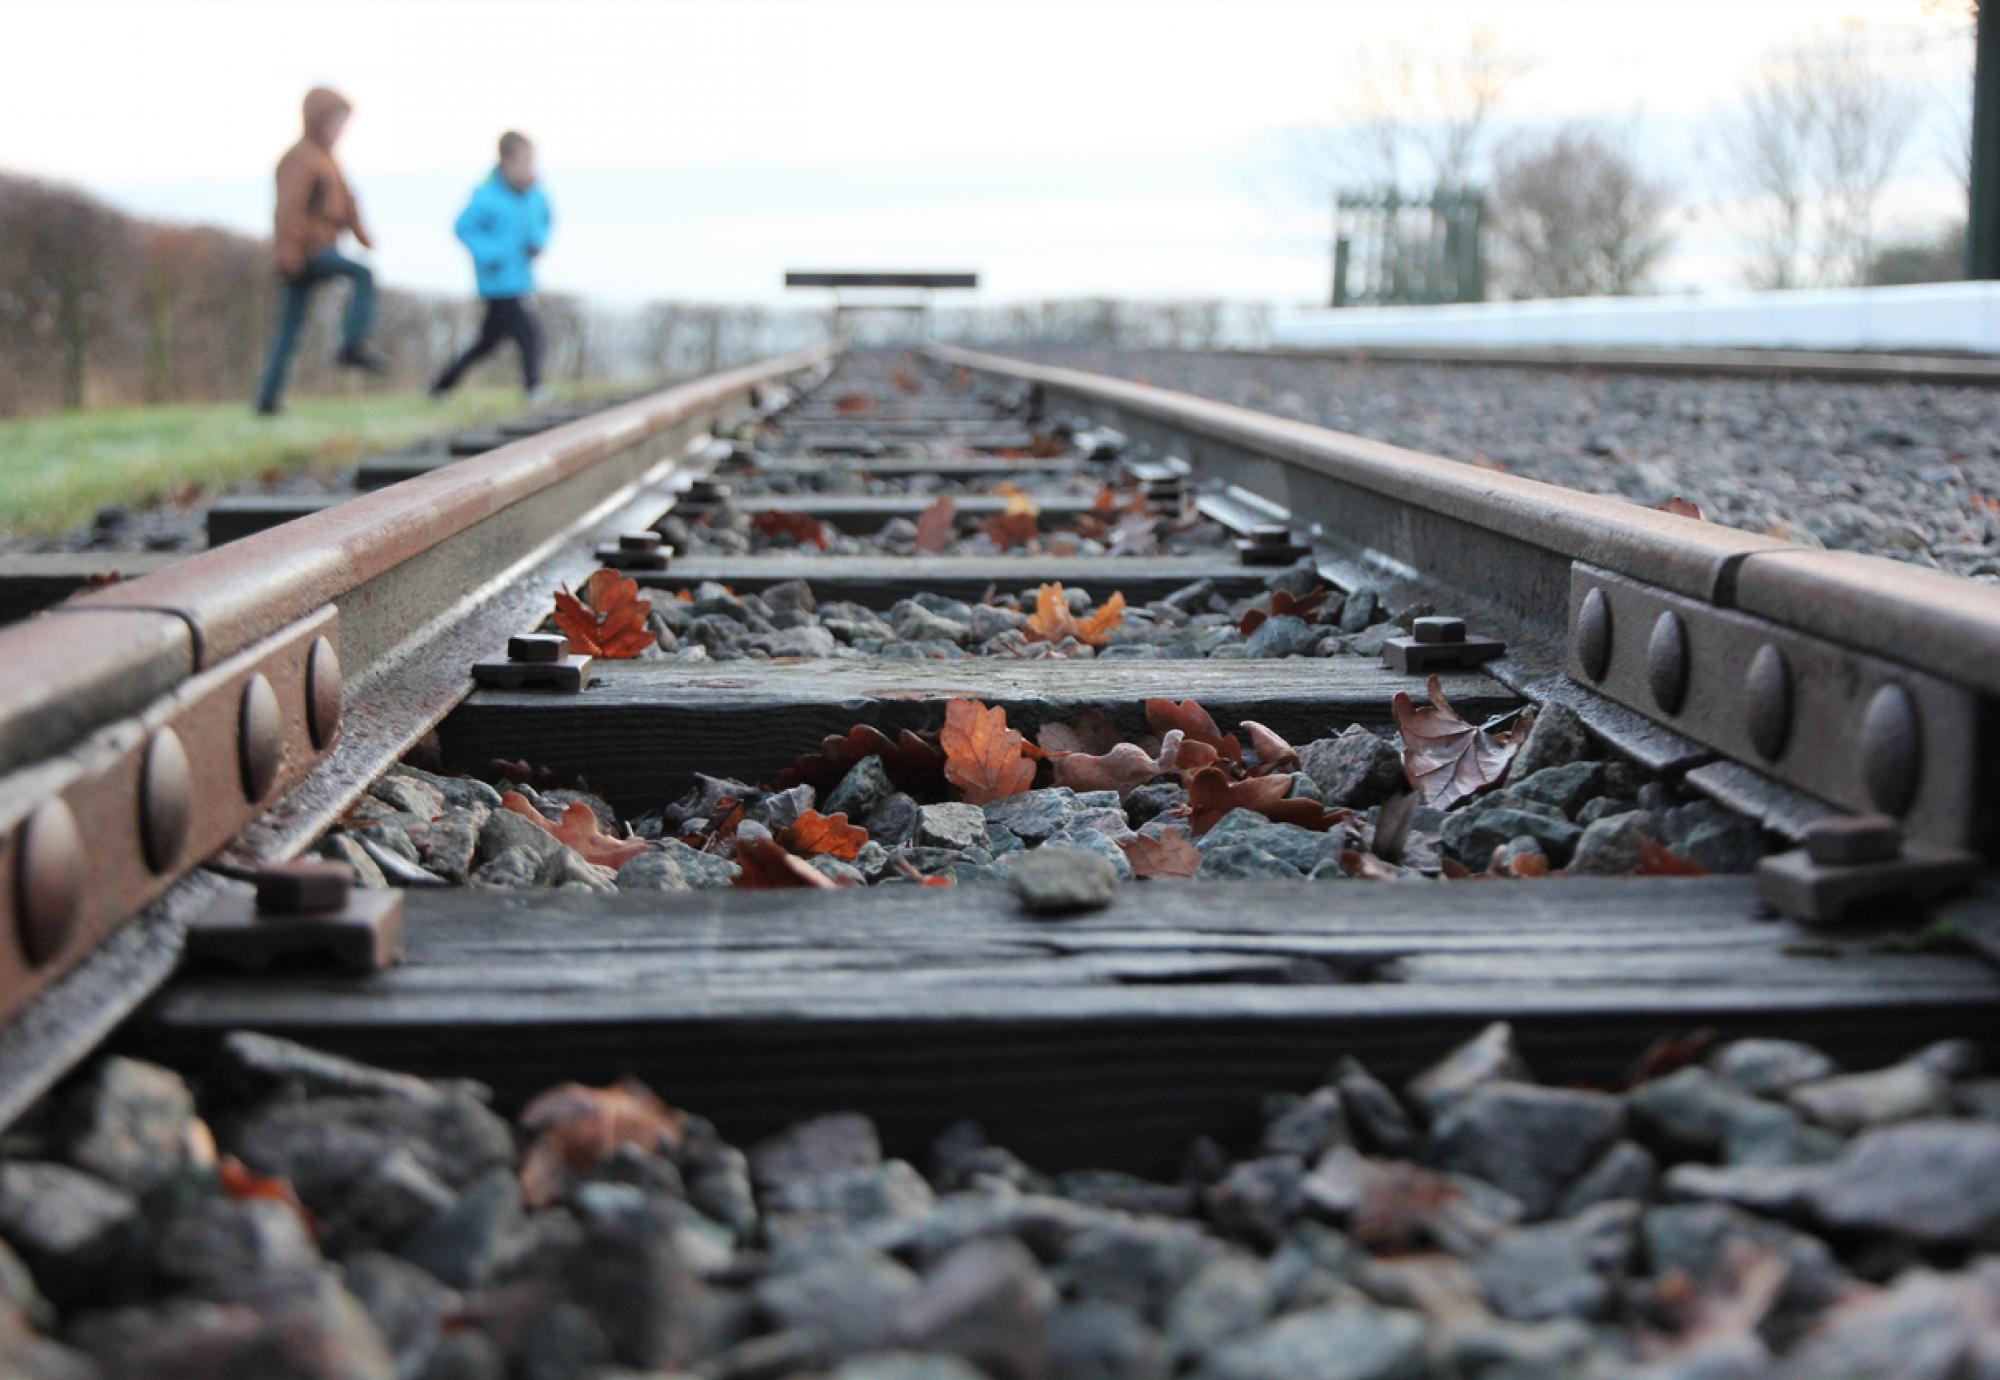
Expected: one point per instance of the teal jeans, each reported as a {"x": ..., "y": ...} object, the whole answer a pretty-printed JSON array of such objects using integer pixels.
[{"x": 354, "y": 327}]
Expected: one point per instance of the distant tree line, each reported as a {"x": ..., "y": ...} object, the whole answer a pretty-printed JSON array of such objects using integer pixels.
[{"x": 101, "y": 307}]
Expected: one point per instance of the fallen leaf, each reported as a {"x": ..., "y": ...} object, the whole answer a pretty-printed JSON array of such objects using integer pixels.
[
  {"x": 1444, "y": 757},
  {"x": 982, "y": 756},
  {"x": 1194, "y": 722},
  {"x": 1171, "y": 854},
  {"x": 1368, "y": 866},
  {"x": 1681, "y": 507},
  {"x": 1392, "y": 826},
  {"x": 1668, "y": 1054},
  {"x": 1136, "y": 534},
  {"x": 762, "y": 864},
  {"x": 1046, "y": 446},
  {"x": 241, "y": 1183},
  {"x": 1274, "y": 754},
  {"x": 1658, "y": 860},
  {"x": 802, "y": 528},
  {"x": 1211, "y": 795},
  {"x": 1052, "y": 620},
  {"x": 579, "y": 1128},
  {"x": 1282, "y": 602},
  {"x": 902, "y": 379},
  {"x": 854, "y": 404},
  {"x": 1019, "y": 504},
  {"x": 913, "y": 762},
  {"x": 609, "y": 620},
  {"x": 937, "y": 527},
  {"x": 813, "y": 833},
  {"x": 1008, "y": 530},
  {"x": 1528, "y": 865},
  {"x": 1092, "y": 732},
  {"x": 1124, "y": 768},
  {"x": 909, "y": 870},
  {"x": 579, "y": 829}
]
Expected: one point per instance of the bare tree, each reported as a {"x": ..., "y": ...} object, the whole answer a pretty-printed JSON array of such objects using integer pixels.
[
  {"x": 1806, "y": 154},
  {"x": 1416, "y": 112},
  {"x": 1575, "y": 216}
]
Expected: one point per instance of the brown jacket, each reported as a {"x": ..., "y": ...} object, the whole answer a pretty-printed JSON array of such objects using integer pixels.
[{"x": 314, "y": 203}]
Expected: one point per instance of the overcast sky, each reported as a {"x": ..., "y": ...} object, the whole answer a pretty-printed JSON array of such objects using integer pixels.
[{"x": 697, "y": 150}]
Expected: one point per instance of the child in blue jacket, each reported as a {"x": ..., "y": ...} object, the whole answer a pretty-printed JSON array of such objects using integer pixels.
[{"x": 505, "y": 226}]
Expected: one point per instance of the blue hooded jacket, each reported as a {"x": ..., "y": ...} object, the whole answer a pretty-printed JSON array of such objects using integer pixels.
[{"x": 504, "y": 229}]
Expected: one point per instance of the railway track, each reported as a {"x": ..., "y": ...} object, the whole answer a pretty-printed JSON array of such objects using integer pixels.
[{"x": 1196, "y": 622}]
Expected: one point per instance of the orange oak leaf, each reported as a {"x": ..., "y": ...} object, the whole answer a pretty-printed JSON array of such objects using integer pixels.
[
  {"x": 1193, "y": 721},
  {"x": 1172, "y": 854},
  {"x": 982, "y": 755},
  {"x": 1444, "y": 757},
  {"x": 1052, "y": 621},
  {"x": 578, "y": 1128},
  {"x": 762, "y": 864},
  {"x": 1682, "y": 507},
  {"x": 802, "y": 528},
  {"x": 609, "y": 621},
  {"x": 241, "y": 1183},
  {"x": 579, "y": 829},
  {"x": 813, "y": 833},
  {"x": 1008, "y": 530},
  {"x": 937, "y": 526},
  {"x": 1658, "y": 860},
  {"x": 1211, "y": 795},
  {"x": 1282, "y": 603}
]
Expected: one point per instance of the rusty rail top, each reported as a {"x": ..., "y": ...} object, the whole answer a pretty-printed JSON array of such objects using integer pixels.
[
  {"x": 145, "y": 726},
  {"x": 106, "y": 653},
  {"x": 1924, "y": 619}
]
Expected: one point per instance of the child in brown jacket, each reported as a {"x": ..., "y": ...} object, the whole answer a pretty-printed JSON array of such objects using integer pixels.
[{"x": 314, "y": 207}]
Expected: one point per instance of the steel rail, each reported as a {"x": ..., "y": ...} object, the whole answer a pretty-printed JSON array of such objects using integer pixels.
[
  {"x": 1860, "y": 366},
  {"x": 1879, "y": 688},
  {"x": 145, "y": 726}
]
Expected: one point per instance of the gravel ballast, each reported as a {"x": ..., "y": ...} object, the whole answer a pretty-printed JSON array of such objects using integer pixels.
[
  {"x": 1905, "y": 470},
  {"x": 307, "y": 1218}
]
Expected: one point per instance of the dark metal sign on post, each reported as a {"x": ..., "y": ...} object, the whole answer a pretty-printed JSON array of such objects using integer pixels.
[
  {"x": 1392, "y": 250},
  {"x": 868, "y": 280},
  {"x": 1982, "y": 221}
]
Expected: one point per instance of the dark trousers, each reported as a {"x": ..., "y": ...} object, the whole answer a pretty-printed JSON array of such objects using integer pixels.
[
  {"x": 321, "y": 268},
  {"x": 507, "y": 318}
]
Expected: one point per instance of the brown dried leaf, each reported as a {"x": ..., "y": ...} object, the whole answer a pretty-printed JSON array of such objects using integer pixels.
[
  {"x": 1092, "y": 732},
  {"x": 1681, "y": 507},
  {"x": 913, "y": 762},
  {"x": 1668, "y": 1054},
  {"x": 1009, "y": 530},
  {"x": 763, "y": 865},
  {"x": 854, "y": 404},
  {"x": 802, "y": 528},
  {"x": 580, "y": 830},
  {"x": 1444, "y": 757},
  {"x": 1283, "y": 602},
  {"x": 1658, "y": 860},
  {"x": 1368, "y": 866},
  {"x": 982, "y": 755},
  {"x": 937, "y": 527},
  {"x": 1194, "y": 722},
  {"x": 1172, "y": 854},
  {"x": 1123, "y": 769},
  {"x": 1274, "y": 754},
  {"x": 609, "y": 621},
  {"x": 1211, "y": 795},
  {"x": 581, "y": 1127},
  {"x": 813, "y": 833},
  {"x": 1392, "y": 826}
]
